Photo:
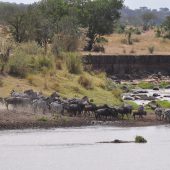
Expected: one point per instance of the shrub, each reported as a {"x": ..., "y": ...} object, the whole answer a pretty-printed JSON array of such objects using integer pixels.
[
  {"x": 163, "y": 104},
  {"x": 151, "y": 49},
  {"x": 101, "y": 40},
  {"x": 44, "y": 62},
  {"x": 140, "y": 139},
  {"x": 19, "y": 65},
  {"x": 30, "y": 48},
  {"x": 74, "y": 63},
  {"x": 85, "y": 82}
]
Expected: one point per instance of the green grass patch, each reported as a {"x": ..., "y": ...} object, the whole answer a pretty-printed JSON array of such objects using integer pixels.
[
  {"x": 164, "y": 103},
  {"x": 146, "y": 85}
]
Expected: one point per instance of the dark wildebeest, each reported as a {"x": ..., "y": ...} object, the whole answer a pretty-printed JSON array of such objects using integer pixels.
[
  {"x": 124, "y": 110},
  {"x": 106, "y": 113},
  {"x": 74, "y": 109},
  {"x": 167, "y": 115},
  {"x": 140, "y": 114}
]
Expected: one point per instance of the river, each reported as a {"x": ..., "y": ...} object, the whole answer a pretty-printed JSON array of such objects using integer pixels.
[{"x": 76, "y": 149}]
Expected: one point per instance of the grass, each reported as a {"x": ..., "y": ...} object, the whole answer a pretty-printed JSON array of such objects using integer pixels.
[
  {"x": 146, "y": 85},
  {"x": 64, "y": 83},
  {"x": 164, "y": 103}
]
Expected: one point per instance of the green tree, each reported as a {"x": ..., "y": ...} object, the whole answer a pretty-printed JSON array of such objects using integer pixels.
[{"x": 99, "y": 16}]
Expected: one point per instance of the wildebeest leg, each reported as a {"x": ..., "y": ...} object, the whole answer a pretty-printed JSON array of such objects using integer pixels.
[{"x": 134, "y": 116}]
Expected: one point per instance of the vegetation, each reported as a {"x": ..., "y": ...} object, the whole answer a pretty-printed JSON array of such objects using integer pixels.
[
  {"x": 146, "y": 85},
  {"x": 140, "y": 139},
  {"x": 163, "y": 104},
  {"x": 73, "y": 62},
  {"x": 151, "y": 49}
]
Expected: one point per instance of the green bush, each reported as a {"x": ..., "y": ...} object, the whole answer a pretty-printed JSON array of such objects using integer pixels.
[
  {"x": 19, "y": 65},
  {"x": 101, "y": 40},
  {"x": 44, "y": 62},
  {"x": 151, "y": 49},
  {"x": 74, "y": 63},
  {"x": 85, "y": 82},
  {"x": 140, "y": 139}
]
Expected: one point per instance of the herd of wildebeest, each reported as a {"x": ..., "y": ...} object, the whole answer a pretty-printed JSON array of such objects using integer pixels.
[{"x": 55, "y": 104}]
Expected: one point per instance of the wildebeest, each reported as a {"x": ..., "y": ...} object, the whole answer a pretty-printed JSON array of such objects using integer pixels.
[
  {"x": 106, "y": 113},
  {"x": 40, "y": 104},
  {"x": 167, "y": 115},
  {"x": 56, "y": 107},
  {"x": 124, "y": 110},
  {"x": 16, "y": 101},
  {"x": 140, "y": 114},
  {"x": 74, "y": 109},
  {"x": 159, "y": 112},
  {"x": 90, "y": 109}
]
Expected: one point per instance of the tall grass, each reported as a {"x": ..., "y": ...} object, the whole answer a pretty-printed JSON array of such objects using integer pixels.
[{"x": 74, "y": 63}]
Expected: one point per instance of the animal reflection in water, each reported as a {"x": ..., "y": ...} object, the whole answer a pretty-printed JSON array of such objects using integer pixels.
[{"x": 74, "y": 107}]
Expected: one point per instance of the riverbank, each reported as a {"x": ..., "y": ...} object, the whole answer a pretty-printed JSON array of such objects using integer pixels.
[{"x": 25, "y": 120}]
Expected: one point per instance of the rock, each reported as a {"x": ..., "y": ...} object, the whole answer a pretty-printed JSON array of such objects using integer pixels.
[
  {"x": 140, "y": 91},
  {"x": 156, "y": 95},
  {"x": 156, "y": 88},
  {"x": 167, "y": 96},
  {"x": 128, "y": 98},
  {"x": 117, "y": 141},
  {"x": 167, "y": 87}
]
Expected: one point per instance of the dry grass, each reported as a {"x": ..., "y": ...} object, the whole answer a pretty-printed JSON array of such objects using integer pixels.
[{"x": 145, "y": 40}]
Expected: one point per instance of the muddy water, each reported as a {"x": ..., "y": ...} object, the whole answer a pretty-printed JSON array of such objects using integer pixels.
[{"x": 76, "y": 149}]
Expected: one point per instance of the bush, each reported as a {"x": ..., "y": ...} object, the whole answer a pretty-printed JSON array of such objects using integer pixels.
[
  {"x": 44, "y": 62},
  {"x": 151, "y": 49},
  {"x": 19, "y": 65},
  {"x": 140, "y": 139},
  {"x": 164, "y": 103},
  {"x": 30, "y": 48},
  {"x": 85, "y": 82},
  {"x": 101, "y": 40},
  {"x": 74, "y": 63}
]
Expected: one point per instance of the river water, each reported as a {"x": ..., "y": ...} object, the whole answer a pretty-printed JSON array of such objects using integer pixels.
[{"x": 76, "y": 149}]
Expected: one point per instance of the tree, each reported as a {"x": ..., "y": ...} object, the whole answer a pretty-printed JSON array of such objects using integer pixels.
[
  {"x": 166, "y": 26},
  {"x": 148, "y": 19},
  {"x": 99, "y": 16}
]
